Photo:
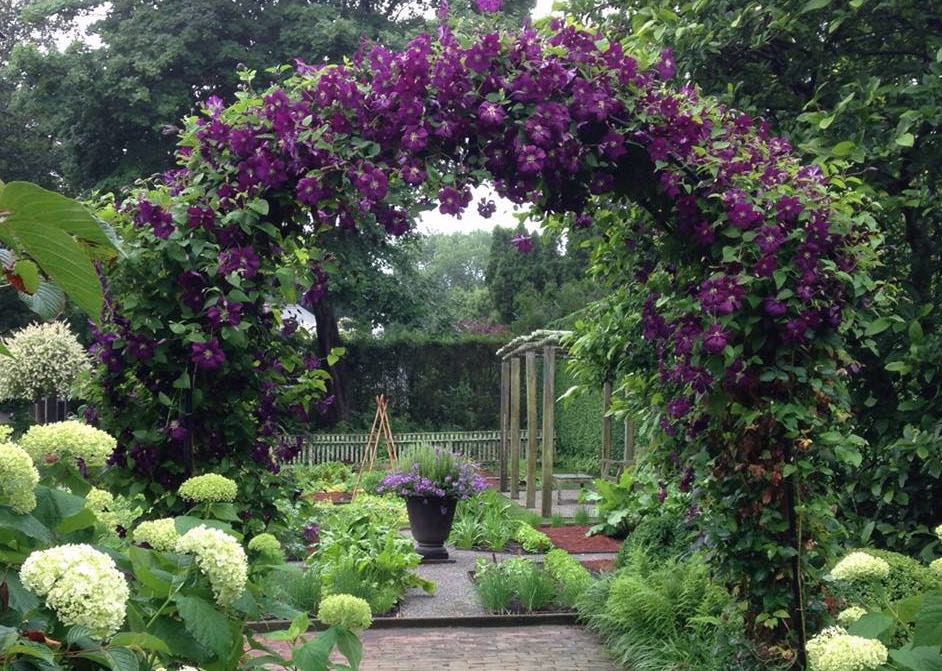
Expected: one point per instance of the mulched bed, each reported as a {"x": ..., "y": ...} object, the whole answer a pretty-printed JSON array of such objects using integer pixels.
[
  {"x": 597, "y": 566},
  {"x": 574, "y": 541},
  {"x": 335, "y": 497}
]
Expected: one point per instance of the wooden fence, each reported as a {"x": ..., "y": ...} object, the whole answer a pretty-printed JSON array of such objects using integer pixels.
[{"x": 480, "y": 446}]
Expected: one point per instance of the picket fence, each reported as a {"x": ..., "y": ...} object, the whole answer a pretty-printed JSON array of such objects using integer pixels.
[{"x": 480, "y": 446}]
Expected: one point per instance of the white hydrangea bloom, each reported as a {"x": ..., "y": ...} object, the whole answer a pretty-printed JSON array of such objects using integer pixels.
[
  {"x": 938, "y": 531},
  {"x": 850, "y": 615},
  {"x": 220, "y": 558},
  {"x": 81, "y": 585},
  {"x": 936, "y": 566},
  {"x": 5, "y": 433},
  {"x": 209, "y": 488},
  {"x": 159, "y": 534},
  {"x": 18, "y": 478},
  {"x": 836, "y": 650},
  {"x": 69, "y": 439},
  {"x": 860, "y": 567},
  {"x": 46, "y": 360}
]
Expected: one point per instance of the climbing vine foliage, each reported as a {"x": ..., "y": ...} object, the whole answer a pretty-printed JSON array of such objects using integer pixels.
[{"x": 752, "y": 263}]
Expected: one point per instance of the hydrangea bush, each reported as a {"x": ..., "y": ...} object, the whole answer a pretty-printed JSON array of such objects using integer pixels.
[
  {"x": 46, "y": 360},
  {"x": 209, "y": 488},
  {"x": 220, "y": 558},
  {"x": 71, "y": 440},
  {"x": 81, "y": 584}
]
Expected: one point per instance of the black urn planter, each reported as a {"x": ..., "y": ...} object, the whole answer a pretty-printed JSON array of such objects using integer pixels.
[{"x": 430, "y": 518}]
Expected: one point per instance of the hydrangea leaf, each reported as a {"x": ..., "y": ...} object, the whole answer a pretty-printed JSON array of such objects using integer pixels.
[{"x": 205, "y": 623}]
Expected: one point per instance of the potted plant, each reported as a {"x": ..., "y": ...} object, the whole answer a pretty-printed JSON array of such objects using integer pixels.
[{"x": 432, "y": 481}]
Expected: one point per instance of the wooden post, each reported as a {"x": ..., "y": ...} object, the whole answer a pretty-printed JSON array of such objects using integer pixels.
[
  {"x": 504, "y": 421},
  {"x": 532, "y": 420},
  {"x": 515, "y": 428},
  {"x": 549, "y": 416},
  {"x": 606, "y": 422}
]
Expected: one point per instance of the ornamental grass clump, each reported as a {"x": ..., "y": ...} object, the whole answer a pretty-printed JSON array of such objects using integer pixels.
[
  {"x": 209, "y": 488},
  {"x": 161, "y": 535},
  {"x": 68, "y": 440},
  {"x": 836, "y": 650},
  {"x": 18, "y": 478},
  {"x": 220, "y": 558},
  {"x": 431, "y": 472},
  {"x": 344, "y": 610},
  {"x": 81, "y": 585},
  {"x": 46, "y": 360}
]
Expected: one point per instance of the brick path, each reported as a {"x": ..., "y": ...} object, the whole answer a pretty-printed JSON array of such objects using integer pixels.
[{"x": 538, "y": 648}]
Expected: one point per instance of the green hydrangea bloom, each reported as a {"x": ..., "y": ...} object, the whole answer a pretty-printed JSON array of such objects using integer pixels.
[
  {"x": 850, "y": 615},
  {"x": 267, "y": 546},
  {"x": 346, "y": 611},
  {"x": 81, "y": 585},
  {"x": 936, "y": 566},
  {"x": 69, "y": 439},
  {"x": 220, "y": 558},
  {"x": 209, "y": 488},
  {"x": 18, "y": 478},
  {"x": 860, "y": 567},
  {"x": 47, "y": 359},
  {"x": 159, "y": 534},
  {"x": 938, "y": 531},
  {"x": 5, "y": 433},
  {"x": 836, "y": 650}
]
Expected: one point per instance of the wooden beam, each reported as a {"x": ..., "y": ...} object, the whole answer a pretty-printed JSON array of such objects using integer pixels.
[
  {"x": 504, "y": 421},
  {"x": 549, "y": 416},
  {"x": 532, "y": 422},
  {"x": 514, "y": 428},
  {"x": 606, "y": 422}
]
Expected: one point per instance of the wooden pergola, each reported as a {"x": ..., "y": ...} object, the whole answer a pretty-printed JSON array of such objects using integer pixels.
[{"x": 547, "y": 346}]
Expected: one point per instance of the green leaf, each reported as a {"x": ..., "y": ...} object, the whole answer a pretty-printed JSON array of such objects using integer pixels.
[
  {"x": 205, "y": 623},
  {"x": 873, "y": 625},
  {"x": 4, "y": 351},
  {"x": 843, "y": 148},
  {"x": 21, "y": 600},
  {"x": 83, "y": 520},
  {"x": 53, "y": 506},
  {"x": 877, "y": 326},
  {"x": 916, "y": 333},
  {"x": 925, "y": 658},
  {"x": 48, "y": 301},
  {"x": 28, "y": 272},
  {"x": 27, "y": 525},
  {"x": 814, "y": 5},
  {"x": 906, "y": 140},
  {"x": 313, "y": 655},
  {"x": 349, "y": 646},
  {"x": 140, "y": 640},
  {"x": 116, "y": 659},
  {"x": 929, "y": 621}
]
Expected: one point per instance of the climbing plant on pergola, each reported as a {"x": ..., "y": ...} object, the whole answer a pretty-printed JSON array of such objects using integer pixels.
[{"x": 754, "y": 263}]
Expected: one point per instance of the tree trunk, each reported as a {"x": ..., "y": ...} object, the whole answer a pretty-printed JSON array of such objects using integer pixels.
[{"x": 328, "y": 337}]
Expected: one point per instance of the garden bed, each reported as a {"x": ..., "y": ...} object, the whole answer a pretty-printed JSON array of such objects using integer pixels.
[
  {"x": 574, "y": 540},
  {"x": 597, "y": 566},
  {"x": 333, "y": 497}
]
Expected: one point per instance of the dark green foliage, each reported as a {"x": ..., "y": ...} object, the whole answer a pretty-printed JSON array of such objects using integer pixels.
[
  {"x": 578, "y": 423},
  {"x": 571, "y": 577},
  {"x": 370, "y": 480},
  {"x": 581, "y": 517},
  {"x": 663, "y": 535},
  {"x": 298, "y": 587}
]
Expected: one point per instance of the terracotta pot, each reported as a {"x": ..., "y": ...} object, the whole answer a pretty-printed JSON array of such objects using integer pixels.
[{"x": 430, "y": 519}]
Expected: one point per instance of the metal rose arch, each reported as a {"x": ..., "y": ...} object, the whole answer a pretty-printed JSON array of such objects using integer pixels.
[{"x": 754, "y": 263}]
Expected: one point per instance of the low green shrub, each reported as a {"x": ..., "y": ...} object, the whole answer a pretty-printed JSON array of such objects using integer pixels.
[
  {"x": 534, "y": 588},
  {"x": 466, "y": 533},
  {"x": 572, "y": 578},
  {"x": 582, "y": 517},
  {"x": 532, "y": 540},
  {"x": 655, "y": 615},
  {"x": 495, "y": 590},
  {"x": 299, "y": 587},
  {"x": 557, "y": 521},
  {"x": 370, "y": 480}
]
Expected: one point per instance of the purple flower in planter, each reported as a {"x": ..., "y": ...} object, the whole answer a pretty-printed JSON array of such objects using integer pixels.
[{"x": 207, "y": 356}]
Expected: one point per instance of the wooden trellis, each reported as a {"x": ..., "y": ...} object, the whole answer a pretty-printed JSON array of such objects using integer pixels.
[
  {"x": 381, "y": 430},
  {"x": 545, "y": 345}
]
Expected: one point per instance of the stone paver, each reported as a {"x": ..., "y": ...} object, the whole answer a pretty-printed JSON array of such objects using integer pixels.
[{"x": 537, "y": 648}]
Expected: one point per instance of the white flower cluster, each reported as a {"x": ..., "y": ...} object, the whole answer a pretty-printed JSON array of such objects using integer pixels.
[
  {"x": 69, "y": 439},
  {"x": 836, "y": 650},
  {"x": 160, "y": 534},
  {"x": 82, "y": 585},
  {"x": 938, "y": 531},
  {"x": 221, "y": 559},
  {"x": 936, "y": 566},
  {"x": 46, "y": 360},
  {"x": 18, "y": 478},
  {"x": 208, "y": 488},
  {"x": 101, "y": 502},
  {"x": 5, "y": 433},
  {"x": 860, "y": 567}
]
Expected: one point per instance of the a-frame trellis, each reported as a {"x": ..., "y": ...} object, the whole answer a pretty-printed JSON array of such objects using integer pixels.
[{"x": 547, "y": 346}]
